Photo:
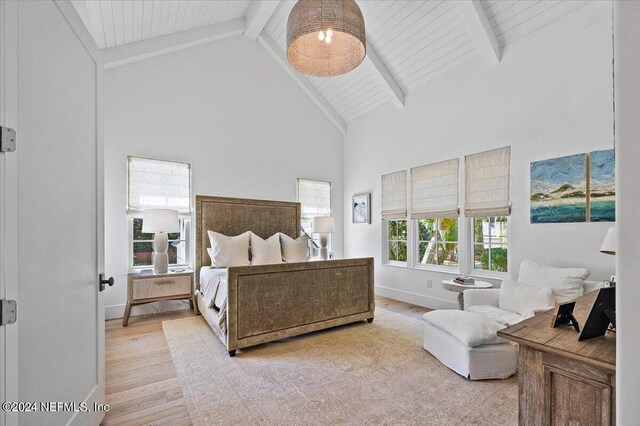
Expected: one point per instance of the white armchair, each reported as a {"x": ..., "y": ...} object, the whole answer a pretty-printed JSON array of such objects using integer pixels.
[{"x": 487, "y": 302}]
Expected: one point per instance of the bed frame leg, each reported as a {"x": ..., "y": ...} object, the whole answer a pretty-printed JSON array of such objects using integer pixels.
[
  {"x": 232, "y": 353},
  {"x": 369, "y": 320}
]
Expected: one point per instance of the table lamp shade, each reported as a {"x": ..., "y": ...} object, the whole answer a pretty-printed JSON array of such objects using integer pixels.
[
  {"x": 160, "y": 220},
  {"x": 323, "y": 224},
  {"x": 609, "y": 243}
]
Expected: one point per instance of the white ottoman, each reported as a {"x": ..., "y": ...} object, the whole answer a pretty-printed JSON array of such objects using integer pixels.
[{"x": 467, "y": 343}]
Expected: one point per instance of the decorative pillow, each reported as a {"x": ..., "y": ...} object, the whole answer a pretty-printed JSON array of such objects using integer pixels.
[
  {"x": 469, "y": 328},
  {"x": 520, "y": 298},
  {"x": 229, "y": 251},
  {"x": 294, "y": 250},
  {"x": 265, "y": 252},
  {"x": 566, "y": 283}
]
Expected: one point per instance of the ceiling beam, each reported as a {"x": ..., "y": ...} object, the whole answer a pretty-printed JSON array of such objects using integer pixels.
[
  {"x": 385, "y": 78},
  {"x": 258, "y": 15},
  {"x": 301, "y": 80},
  {"x": 480, "y": 27},
  {"x": 145, "y": 49}
]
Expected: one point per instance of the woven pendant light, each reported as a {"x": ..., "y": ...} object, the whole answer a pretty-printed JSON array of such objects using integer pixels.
[{"x": 325, "y": 37}]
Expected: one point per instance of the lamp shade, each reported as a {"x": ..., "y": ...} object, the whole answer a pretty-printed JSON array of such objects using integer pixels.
[
  {"x": 160, "y": 220},
  {"x": 325, "y": 37},
  {"x": 323, "y": 224},
  {"x": 609, "y": 243}
]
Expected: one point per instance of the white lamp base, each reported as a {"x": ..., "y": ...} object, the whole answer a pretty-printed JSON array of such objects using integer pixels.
[
  {"x": 160, "y": 257},
  {"x": 324, "y": 246}
]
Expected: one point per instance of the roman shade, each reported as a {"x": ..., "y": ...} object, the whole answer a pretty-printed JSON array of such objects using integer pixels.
[
  {"x": 314, "y": 197},
  {"x": 487, "y": 183},
  {"x": 158, "y": 184},
  {"x": 394, "y": 195},
  {"x": 435, "y": 190}
]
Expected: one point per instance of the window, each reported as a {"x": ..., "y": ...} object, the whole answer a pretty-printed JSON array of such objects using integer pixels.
[
  {"x": 437, "y": 241},
  {"x": 396, "y": 240},
  {"x": 490, "y": 249},
  {"x": 315, "y": 199},
  {"x": 158, "y": 184},
  {"x": 142, "y": 245}
]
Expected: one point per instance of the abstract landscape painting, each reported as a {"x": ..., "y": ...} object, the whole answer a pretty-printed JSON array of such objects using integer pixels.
[
  {"x": 559, "y": 190},
  {"x": 602, "y": 196}
]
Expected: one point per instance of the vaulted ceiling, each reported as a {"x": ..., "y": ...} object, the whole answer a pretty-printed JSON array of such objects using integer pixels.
[{"x": 408, "y": 42}]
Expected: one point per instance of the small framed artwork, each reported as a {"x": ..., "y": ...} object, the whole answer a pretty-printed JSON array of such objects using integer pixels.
[{"x": 361, "y": 206}]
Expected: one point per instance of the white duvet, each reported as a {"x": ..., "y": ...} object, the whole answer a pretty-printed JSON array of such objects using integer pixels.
[{"x": 213, "y": 286}]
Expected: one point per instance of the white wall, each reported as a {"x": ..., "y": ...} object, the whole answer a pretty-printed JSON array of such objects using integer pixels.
[
  {"x": 627, "y": 47},
  {"x": 231, "y": 111},
  {"x": 551, "y": 95}
]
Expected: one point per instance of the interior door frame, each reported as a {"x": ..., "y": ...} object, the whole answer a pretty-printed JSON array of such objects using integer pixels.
[
  {"x": 9, "y": 204},
  {"x": 70, "y": 13}
]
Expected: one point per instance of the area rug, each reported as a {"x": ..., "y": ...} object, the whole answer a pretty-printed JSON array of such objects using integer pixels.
[{"x": 355, "y": 374}]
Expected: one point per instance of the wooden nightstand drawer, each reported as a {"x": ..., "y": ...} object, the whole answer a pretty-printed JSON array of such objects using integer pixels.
[{"x": 148, "y": 288}]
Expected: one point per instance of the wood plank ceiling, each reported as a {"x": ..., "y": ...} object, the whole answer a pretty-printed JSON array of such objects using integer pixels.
[{"x": 414, "y": 40}]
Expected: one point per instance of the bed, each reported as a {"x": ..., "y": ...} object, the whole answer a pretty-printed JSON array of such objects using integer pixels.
[{"x": 249, "y": 305}]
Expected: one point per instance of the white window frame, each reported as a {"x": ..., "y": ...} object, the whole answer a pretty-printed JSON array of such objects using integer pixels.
[
  {"x": 435, "y": 268},
  {"x": 470, "y": 253},
  {"x": 137, "y": 214},
  {"x": 130, "y": 241},
  {"x": 385, "y": 246}
]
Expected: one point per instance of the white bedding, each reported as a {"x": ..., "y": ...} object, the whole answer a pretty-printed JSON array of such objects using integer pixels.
[{"x": 213, "y": 286}]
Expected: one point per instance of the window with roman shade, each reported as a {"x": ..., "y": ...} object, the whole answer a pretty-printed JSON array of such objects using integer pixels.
[
  {"x": 314, "y": 197},
  {"x": 487, "y": 183},
  {"x": 158, "y": 184},
  {"x": 394, "y": 195},
  {"x": 435, "y": 190}
]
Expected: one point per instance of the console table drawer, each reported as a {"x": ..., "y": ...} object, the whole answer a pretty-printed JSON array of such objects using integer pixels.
[{"x": 148, "y": 288}]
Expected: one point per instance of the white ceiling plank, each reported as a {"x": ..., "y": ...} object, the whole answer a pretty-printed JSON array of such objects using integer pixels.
[
  {"x": 96, "y": 30},
  {"x": 128, "y": 12},
  {"x": 481, "y": 29},
  {"x": 276, "y": 52},
  {"x": 396, "y": 95},
  {"x": 117, "y": 11},
  {"x": 107, "y": 23},
  {"x": 258, "y": 15},
  {"x": 145, "y": 49},
  {"x": 147, "y": 13}
]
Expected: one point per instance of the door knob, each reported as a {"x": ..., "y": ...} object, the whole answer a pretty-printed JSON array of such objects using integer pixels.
[{"x": 104, "y": 283}]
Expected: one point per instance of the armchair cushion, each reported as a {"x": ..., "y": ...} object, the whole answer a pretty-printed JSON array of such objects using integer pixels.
[
  {"x": 468, "y": 328},
  {"x": 473, "y": 296},
  {"x": 499, "y": 315},
  {"x": 520, "y": 298},
  {"x": 566, "y": 283}
]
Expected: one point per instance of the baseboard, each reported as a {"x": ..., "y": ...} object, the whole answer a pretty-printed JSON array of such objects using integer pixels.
[
  {"x": 117, "y": 311},
  {"x": 416, "y": 299}
]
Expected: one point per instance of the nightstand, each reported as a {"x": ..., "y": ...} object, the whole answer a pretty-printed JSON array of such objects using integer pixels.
[{"x": 146, "y": 287}]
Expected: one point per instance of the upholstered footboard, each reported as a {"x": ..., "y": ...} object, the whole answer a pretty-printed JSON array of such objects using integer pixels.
[{"x": 271, "y": 302}]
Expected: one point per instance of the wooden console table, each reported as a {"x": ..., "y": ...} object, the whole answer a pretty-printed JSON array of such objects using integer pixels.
[{"x": 561, "y": 380}]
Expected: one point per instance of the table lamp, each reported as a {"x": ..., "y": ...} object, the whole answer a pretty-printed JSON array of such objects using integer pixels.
[
  {"x": 160, "y": 222},
  {"x": 323, "y": 225}
]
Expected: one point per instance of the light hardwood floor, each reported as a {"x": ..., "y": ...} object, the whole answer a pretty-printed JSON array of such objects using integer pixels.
[{"x": 141, "y": 383}]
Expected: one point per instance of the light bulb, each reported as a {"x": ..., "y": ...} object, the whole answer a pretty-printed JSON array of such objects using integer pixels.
[
  {"x": 329, "y": 32},
  {"x": 328, "y": 39},
  {"x": 320, "y": 36}
]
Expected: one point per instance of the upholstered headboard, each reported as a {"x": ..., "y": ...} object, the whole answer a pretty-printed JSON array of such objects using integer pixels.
[{"x": 234, "y": 216}]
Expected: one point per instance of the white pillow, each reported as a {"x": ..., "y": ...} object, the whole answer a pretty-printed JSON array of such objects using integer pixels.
[
  {"x": 294, "y": 250},
  {"x": 265, "y": 252},
  {"x": 229, "y": 251},
  {"x": 566, "y": 283},
  {"x": 520, "y": 298},
  {"x": 469, "y": 328}
]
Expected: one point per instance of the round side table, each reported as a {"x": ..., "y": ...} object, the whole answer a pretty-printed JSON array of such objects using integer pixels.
[{"x": 460, "y": 288}]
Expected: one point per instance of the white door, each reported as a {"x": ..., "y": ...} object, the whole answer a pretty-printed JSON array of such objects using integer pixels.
[
  {"x": 8, "y": 205},
  {"x": 59, "y": 217}
]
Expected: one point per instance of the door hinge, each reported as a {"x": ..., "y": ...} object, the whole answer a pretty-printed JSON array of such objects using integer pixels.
[
  {"x": 7, "y": 139},
  {"x": 8, "y": 311}
]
